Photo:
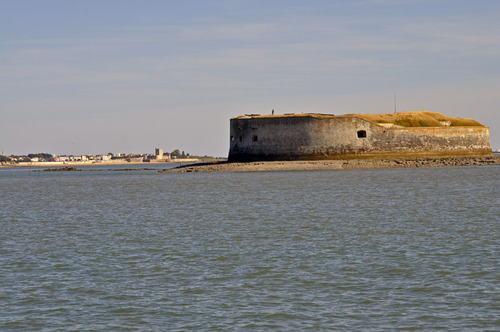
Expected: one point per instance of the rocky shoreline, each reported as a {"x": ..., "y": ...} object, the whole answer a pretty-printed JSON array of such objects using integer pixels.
[{"x": 312, "y": 165}]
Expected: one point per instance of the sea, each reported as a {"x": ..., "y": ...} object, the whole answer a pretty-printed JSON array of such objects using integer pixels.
[{"x": 115, "y": 249}]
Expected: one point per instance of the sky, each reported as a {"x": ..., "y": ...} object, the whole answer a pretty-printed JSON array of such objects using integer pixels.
[{"x": 100, "y": 76}]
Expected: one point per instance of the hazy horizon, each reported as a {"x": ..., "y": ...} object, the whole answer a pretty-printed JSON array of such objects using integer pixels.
[{"x": 124, "y": 76}]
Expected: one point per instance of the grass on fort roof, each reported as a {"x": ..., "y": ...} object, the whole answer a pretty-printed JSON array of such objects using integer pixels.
[
  {"x": 403, "y": 119},
  {"x": 419, "y": 119}
]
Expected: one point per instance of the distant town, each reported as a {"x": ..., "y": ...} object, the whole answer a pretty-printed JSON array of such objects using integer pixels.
[{"x": 159, "y": 155}]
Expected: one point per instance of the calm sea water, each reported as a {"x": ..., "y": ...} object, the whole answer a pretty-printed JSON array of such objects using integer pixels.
[{"x": 395, "y": 249}]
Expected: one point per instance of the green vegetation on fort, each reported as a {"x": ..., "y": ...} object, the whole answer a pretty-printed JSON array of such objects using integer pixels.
[
  {"x": 419, "y": 119},
  {"x": 403, "y": 119}
]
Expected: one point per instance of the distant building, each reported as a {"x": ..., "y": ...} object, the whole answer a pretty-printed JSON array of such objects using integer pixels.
[
  {"x": 158, "y": 156},
  {"x": 159, "y": 153},
  {"x": 103, "y": 157}
]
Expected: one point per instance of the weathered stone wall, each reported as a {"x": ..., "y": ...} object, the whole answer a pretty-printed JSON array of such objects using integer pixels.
[{"x": 337, "y": 137}]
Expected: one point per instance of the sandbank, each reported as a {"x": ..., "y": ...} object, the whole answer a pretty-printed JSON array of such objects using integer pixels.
[{"x": 316, "y": 165}]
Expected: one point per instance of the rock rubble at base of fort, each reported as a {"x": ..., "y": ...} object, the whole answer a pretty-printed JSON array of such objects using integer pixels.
[{"x": 311, "y": 165}]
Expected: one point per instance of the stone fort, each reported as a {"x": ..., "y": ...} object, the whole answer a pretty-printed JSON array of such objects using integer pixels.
[{"x": 311, "y": 136}]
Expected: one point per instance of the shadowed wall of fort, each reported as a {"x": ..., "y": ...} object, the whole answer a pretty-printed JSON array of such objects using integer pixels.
[{"x": 309, "y": 137}]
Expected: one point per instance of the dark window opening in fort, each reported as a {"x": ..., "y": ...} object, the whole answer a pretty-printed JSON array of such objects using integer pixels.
[
  {"x": 255, "y": 138},
  {"x": 241, "y": 138},
  {"x": 362, "y": 134},
  {"x": 232, "y": 138}
]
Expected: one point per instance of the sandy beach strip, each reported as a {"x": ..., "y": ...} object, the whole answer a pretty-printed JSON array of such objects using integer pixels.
[
  {"x": 315, "y": 165},
  {"x": 179, "y": 162}
]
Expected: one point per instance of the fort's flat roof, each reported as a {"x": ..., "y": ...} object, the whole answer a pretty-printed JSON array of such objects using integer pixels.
[
  {"x": 403, "y": 119},
  {"x": 286, "y": 115}
]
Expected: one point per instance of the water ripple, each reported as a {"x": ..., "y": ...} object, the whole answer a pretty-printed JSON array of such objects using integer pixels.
[{"x": 398, "y": 249}]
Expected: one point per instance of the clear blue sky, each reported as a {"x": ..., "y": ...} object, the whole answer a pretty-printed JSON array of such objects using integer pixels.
[{"x": 90, "y": 77}]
